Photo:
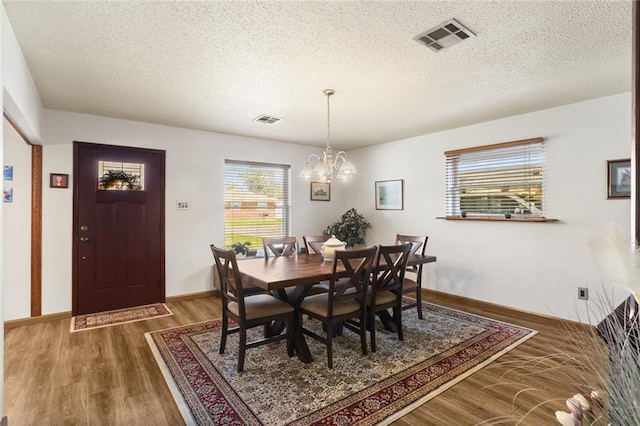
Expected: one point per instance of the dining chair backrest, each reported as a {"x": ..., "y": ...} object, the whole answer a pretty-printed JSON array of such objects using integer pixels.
[
  {"x": 352, "y": 285},
  {"x": 276, "y": 247},
  {"x": 410, "y": 286},
  {"x": 389, "y": 267},
  {"x": 418, "y": 242},
  {"x": 231, "y": 288},
  {"x": 313, "y": 243}
]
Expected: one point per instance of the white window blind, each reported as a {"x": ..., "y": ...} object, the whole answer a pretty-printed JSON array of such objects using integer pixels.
[
  {"x": 496, "y": 179},
  {"x": 256, "y": 200}
]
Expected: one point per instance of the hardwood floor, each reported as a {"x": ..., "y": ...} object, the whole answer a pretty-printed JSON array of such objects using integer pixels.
[{"x": 108, "y": 376}]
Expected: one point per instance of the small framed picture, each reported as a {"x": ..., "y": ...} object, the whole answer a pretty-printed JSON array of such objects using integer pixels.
[
  {"x": 320, "y": 191},
  {"x": 7, "y": 195},
  {"x": 7, "y": 173},
  {"x": 618, "y": 178},
  {"x": 58, "y": 180},
  {"x": 389, "y": 195}
]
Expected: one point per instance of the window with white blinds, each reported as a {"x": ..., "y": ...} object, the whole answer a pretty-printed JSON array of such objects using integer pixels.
[
  {"x": 256, "y": 202},
  {"x": 505, "y": 178}
]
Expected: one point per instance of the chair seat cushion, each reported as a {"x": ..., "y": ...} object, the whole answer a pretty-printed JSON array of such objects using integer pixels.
[
  {"x": 319, "y": 305},
  {"x": 382, "y": 298},
  {"x": 260, "y": 306},
  {"x": 408, "y": 285}
]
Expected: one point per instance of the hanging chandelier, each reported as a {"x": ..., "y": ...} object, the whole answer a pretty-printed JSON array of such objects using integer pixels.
[{"x": 326, "y": 165}]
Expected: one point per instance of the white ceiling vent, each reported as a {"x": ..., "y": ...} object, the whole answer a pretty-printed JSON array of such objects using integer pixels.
[
  {"x": 444, "y": 35},
  {"x": 267, "y": 119}
]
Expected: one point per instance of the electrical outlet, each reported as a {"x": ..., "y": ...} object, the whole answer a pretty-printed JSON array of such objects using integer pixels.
[
  {"x": 583, "y": 293},
  {"x": 182, "y": 205}
]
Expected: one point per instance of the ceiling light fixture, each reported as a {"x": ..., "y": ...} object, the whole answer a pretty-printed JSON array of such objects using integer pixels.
[{"x": 326, "y": 165}]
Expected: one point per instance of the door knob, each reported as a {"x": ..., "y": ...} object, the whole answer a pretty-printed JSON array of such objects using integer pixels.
[{"x": 84, "y": 239}]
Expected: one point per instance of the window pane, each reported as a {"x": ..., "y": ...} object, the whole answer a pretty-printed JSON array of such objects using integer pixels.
[
  {"x": 256, "y": 199},
  {"x": 120, "y": 176},
  {"x": 496, "y": 180}
]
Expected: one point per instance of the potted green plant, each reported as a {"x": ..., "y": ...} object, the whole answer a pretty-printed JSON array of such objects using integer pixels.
[
  {"x": 351, "y": 228},
  {"x": 241, "y": 248}
]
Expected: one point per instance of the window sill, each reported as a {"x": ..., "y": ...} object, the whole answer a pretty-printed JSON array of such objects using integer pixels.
[
  {"x": 256, "y": 256},
  {"x": 499, "y": 218}
]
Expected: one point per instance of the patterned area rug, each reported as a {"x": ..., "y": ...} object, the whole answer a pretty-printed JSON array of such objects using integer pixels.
[
  {"x": 436, "y": 353},
  {"x": 120, "y": 316}
]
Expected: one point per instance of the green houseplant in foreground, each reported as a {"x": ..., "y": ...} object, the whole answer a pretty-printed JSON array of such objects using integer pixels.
[{"x": 351, "y": 228}]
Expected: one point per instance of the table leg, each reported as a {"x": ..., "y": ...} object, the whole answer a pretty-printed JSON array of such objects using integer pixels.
[
  {"x": 387, "y": 321},
  {"x": 276, "y": 327},
  {"x": 300, "y": 344}
]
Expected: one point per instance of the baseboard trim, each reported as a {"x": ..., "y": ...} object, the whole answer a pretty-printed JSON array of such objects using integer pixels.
[
  {"x": 433, "y": 295},
  {"x": 427, "y": 295},
  {"x": 191, "y": 296},
  {"x": 8, "y": 325}
]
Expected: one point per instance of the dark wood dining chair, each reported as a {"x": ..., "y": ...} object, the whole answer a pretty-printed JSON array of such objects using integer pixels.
[
  {"x": 345, "y": 299},
  {"x": 410, "y": 286},
  {"x": 276, "y": 247},
  {"x": 313, "y": 243},
  {"x": 287, "y": 246},
  {"x": 248, "y": 311},
  {"x": 385, "y": 291}
]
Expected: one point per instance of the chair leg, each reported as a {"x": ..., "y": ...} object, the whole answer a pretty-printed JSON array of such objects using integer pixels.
[
  {"x": 223, "y": 337},
  {"x": 289, "y": 328},
  {"x": 242, "y": 348},
  {"x": 419, "y": 300},
  {"x": 330, "y": 345},
  {"x": 397, "y": 315},
  {"x": 371, "y": 323},
  {"x": 363, "y": 331},
  {"x": 363, "y": 340}
]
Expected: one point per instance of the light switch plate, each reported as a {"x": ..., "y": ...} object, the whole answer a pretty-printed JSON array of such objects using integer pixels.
[{"x": 182, "y": 205}]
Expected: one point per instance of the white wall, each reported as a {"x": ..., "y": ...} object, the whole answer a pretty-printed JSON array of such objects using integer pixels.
[
  {"x": 16, "y": 224},
  {"x": 20, "y": 95},
  {"x": 531, "y": 266},
  {"x": 195, "y": 173}
]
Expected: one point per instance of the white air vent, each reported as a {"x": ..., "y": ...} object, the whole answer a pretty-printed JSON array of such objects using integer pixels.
[
  {"x": 267, "y": 119},
  {"x": 444, "y": 35}
]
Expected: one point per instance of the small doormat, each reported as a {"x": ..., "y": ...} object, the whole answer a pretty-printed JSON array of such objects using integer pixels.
[
  {"x": 437, "y": 352},
  {"x": 119, "y": 316}
]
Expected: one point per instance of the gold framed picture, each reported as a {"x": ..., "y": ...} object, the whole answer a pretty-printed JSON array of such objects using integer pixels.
[{"x": 320, "y": 191}]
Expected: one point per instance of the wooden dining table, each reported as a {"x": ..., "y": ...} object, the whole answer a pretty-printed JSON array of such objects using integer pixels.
[{"x": 301, "y": 271}]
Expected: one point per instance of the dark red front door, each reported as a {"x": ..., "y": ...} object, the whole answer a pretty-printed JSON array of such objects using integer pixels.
[{"x": 118, "y": 234}]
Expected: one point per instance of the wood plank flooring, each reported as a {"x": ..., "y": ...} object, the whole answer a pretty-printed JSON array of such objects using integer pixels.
[{"x": 108, "y": 376}]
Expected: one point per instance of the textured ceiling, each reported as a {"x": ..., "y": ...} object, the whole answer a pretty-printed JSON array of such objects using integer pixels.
[{"x": 218, "y": 65}]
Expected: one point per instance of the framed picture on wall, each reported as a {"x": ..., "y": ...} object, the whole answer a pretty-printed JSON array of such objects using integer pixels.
[
  {"x": 389, "y": 195},
  {"x": 618, "y": 178},
  {"x": 7, "y": 173},
  {"x": 320, "y": 191},
  {"x": 58, "y": 180},
  {"x": 7, "y": 195}
]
